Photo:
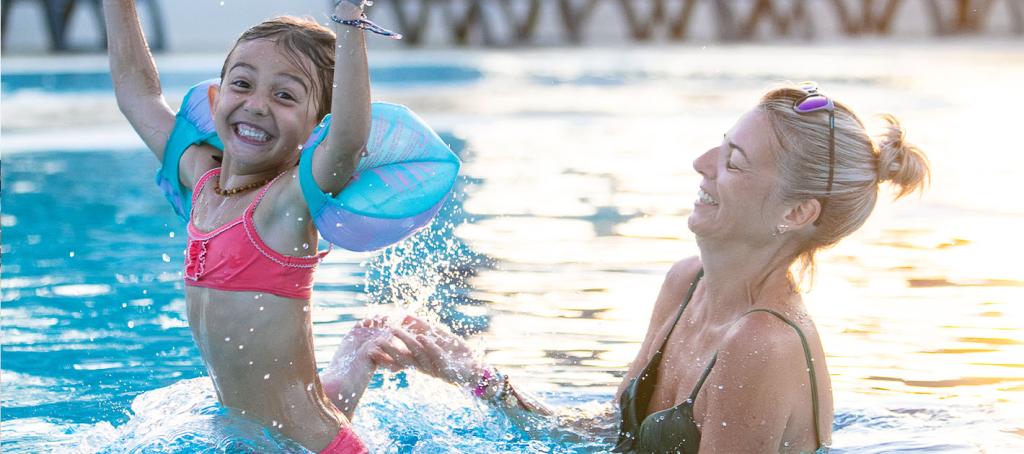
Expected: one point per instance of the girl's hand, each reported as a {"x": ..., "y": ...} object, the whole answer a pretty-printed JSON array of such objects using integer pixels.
[
  {"x": 362, "y": 347},
  {"x": 436, "y": 351},
  {"x": 368, "y": 346}
]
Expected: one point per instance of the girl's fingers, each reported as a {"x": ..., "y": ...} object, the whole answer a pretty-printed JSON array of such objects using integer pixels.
[
  {"x": 416, "y": 324},
  {"x": 382, "y": 359},
  {"x": 419, "y": 351},
  {"x": 400, "y": 356},
  {"x": 436, "y": 353}
]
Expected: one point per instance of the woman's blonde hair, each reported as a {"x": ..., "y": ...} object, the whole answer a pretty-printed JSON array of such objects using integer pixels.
[{"x": 861, "y": 164}]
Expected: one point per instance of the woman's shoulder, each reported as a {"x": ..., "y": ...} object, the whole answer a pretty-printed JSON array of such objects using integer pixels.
[
  {"x": 761, "y": 338},
  {"x": 677, "y": 282},
  {"x": 683, "y": 273}
]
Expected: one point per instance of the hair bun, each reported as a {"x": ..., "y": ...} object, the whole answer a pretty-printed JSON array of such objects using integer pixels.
[{"x": 901, "y": 164}]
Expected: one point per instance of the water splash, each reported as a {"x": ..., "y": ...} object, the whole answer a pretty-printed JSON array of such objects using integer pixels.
[{"x": 428, "y": 274}]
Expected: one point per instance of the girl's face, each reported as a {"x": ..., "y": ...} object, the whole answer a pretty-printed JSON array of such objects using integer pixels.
[
  {"x": 737, "y": 200},
  {"x": 265, "y": 108}
]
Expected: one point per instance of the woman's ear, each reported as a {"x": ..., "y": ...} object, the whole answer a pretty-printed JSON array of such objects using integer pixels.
[
  {"x": 802, "y": 214},
  {"x": 211, "y": 93}
]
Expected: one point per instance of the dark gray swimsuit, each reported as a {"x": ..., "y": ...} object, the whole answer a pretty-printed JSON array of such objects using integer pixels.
[{"x": 673, "y": 429}]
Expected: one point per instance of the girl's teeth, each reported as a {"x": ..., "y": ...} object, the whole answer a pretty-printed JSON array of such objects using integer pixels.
[{"x": 253, "y": 133}]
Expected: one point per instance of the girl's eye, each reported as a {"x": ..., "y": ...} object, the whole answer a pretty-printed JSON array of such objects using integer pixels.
[
  {"x": 286, "y": 96},
  {"x": 240, "y": 84},
  {"x": 728, "y": 165}
]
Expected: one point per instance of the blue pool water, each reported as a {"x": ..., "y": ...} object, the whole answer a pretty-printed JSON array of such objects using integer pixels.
[{"x": 572, "y": 204}]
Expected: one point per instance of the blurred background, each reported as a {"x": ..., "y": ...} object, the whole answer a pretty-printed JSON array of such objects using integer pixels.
[
  {"x": 211, "y": 25},
  {"x": 577, "y": 122}
]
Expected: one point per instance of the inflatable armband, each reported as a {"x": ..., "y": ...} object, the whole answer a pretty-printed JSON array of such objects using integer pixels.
[{"x": 397, "y": 188}]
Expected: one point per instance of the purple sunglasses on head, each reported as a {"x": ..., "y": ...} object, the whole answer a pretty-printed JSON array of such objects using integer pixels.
[{"x": 813, "y": 102}]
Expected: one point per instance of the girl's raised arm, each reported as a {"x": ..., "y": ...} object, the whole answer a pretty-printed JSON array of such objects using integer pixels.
[
  {"x": 136, "y": 83},
  {"x": 350, "y": 106}
]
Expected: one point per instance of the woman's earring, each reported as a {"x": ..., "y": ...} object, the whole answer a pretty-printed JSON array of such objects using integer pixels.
[{"x": 780, "y": 229}]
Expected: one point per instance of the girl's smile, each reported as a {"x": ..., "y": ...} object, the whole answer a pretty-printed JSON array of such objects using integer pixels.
[{"x": 263, "y": 110}]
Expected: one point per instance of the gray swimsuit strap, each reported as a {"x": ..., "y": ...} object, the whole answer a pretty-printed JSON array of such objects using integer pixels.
[{"x": 810, "y": 368}]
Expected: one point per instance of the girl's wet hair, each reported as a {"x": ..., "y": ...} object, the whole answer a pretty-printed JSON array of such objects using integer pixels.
[
  {"x": 862, "y": 163},
  {"x": 300, "y": 39}
]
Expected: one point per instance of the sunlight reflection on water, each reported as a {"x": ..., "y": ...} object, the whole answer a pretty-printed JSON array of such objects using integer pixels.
[{"x": 578, "y": 183}]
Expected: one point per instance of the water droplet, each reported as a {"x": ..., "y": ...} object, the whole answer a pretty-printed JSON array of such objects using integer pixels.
[
  {"x": 131, "y": 324},
  {"x": 309, "y": 387},
  {"x": 252, "y": 329},
  {"x": 305, "y": 308},
  {"x": 250, "y": 363},
  {"x": 243, "y": 412},
  {"x": 261, "y": 308},
  {"x": 266, "y": 377},
  {"x": 303, "y": 244},
  {"x": 287, "y": 213},
  {"x": 71, "y": 254},
  {"x": 273, "y": 423},
  {"x": 721, "y": 387},
  {"x": 337, "y": 224},
  {"x": 241, "y": 347},
  {"x": 786, "y": 444},
  {"x": 723, "y": 424},
  {"x": 170, "y": 234},
  {"x": 227, "y": 339},
  {"x": 124, "y": 305}
]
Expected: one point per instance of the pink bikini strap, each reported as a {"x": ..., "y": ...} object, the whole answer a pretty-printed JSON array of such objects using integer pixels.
[
  {"x": 199, "y": 186},
  {"x": 256, "y": 201}
]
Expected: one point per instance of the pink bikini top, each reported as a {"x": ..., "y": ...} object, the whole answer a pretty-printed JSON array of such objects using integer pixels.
[{"x": 233, "y": 257}]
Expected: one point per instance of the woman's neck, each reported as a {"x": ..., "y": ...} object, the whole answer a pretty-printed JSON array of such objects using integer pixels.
[{"x": 738, "y": 278}]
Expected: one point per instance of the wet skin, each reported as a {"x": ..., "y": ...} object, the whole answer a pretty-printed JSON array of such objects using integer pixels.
[
  {"x": 272, "y": 378},
  {"x": 759, "y": 386}
]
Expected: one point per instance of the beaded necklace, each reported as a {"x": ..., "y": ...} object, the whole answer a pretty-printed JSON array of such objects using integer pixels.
[{"x": 242, "y": 188}]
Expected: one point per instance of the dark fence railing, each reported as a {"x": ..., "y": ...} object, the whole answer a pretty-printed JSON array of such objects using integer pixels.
[
  {"x": 517, "y": 22},
  {"x": 733, "y": 19}
]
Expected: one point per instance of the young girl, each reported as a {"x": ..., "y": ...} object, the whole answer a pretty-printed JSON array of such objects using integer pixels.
[{"x": 252, "y": 246}]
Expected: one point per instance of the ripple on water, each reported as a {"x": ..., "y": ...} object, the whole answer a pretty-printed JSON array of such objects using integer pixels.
[
  {"x": 81, "y": 290},
  {"x": 24, "y": 390}
]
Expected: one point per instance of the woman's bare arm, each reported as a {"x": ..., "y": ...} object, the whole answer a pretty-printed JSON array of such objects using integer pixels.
[
  {"x": 753, "y": 388},
  {"x": 136, "y": 83}
]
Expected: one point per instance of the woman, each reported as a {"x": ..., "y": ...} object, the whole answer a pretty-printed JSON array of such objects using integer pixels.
[{"x": 731, "y": 362}]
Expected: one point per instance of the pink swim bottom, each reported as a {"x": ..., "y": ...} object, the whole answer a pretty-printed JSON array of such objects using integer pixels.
[{"x": 347, "y": 442}]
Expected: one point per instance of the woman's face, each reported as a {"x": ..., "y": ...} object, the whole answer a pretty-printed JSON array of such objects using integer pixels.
[
  {"x": 265, "y": 106},
  {"x": 737, "y": 200}
]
